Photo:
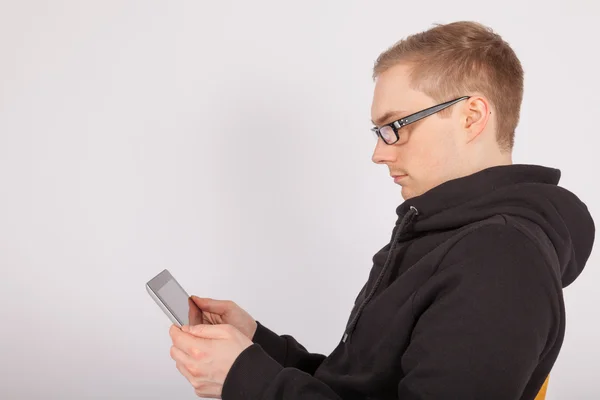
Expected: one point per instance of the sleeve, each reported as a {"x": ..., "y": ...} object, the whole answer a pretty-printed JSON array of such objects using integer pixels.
[
  {"x": 286, "y": 350},
  {"x": 256, "y": 376},
  {"x": 485, "y": 320}
]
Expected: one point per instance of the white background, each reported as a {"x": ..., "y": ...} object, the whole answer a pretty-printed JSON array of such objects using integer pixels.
[{"x": 228, "y": 142}]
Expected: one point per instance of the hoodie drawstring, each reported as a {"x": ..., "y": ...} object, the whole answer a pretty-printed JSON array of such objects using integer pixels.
[{"x": 408, "y": 217}]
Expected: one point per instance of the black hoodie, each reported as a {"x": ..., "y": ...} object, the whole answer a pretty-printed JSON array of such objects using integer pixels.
[{"x": 465, "y": 302}]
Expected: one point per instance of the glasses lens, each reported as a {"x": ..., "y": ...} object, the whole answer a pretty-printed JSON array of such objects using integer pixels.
[{"x": 388, "y": 135}]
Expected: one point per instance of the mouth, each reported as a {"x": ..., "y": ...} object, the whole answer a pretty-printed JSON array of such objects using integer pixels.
[{"x": 399, "y": 178}]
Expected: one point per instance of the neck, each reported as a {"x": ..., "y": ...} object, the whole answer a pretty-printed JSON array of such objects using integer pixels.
[
  {"x": 488, "y": 159},
  {"x": 494, "y": 160}
]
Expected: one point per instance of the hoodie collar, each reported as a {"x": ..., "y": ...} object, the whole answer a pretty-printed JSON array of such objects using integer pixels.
[
  {"x": 526, "y": 191},
  {"x": 458, "y": 191}
]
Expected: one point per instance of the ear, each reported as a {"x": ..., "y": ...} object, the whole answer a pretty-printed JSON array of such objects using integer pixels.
[{"x": 476, "y": 115}]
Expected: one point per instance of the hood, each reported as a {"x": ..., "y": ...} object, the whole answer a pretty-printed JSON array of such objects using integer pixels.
[{"x": 526, "y": 191}]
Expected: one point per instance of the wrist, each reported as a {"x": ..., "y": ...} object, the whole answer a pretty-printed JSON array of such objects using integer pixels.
[{"x": 252, "y": 330}]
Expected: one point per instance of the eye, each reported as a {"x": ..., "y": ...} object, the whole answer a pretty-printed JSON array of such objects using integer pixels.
[{"x": 388, "y": 134}]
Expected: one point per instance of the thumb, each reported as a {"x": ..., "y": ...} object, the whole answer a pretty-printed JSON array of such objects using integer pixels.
[
  {"x": 208, "y": 331},
  {"x": 210, "y": 305}
]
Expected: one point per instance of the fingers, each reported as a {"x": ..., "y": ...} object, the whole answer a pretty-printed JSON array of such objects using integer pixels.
[
  {"x": 195, "y": 376},
  {"x": 208, "y": 390},
  {"x": 174, "y": 330},
  {"x": 195, "y": 316},
  {"x": 211, "y": 305},
  {"x": 187, "y": 343},
  {"x": 183, "y": 371},
  {"x": 186, "y": 365},
  {"x": 182, "y": 362},
  {"x": 209, "y": 331}
]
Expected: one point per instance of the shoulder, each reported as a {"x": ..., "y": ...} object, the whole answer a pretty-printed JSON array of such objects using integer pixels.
[
  {"x": 498, "y": 269},
  {"x": 500, "y": 250}
]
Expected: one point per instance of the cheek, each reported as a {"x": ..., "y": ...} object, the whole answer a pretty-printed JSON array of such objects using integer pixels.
[
  {"x": 423, "y": 157},
  {"x": 429, "y": 169},
  {"x": 431, "y": 160}
]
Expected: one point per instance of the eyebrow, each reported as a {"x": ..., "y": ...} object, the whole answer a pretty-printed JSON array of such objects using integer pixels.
[{"x": 388, "y": 116}]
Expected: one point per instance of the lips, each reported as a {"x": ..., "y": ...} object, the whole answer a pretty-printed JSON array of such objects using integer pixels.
[{"x": 398, "y": 178}]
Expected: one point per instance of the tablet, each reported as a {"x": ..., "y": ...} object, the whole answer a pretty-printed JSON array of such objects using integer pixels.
[{"x": 173, "y": 300}]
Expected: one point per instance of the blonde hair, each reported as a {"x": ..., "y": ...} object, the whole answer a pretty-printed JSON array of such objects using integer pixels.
[{"x": 457, "y": 59}]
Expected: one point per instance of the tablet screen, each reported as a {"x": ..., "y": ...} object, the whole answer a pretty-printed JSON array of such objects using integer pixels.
[{"x": 176, "y": 299}]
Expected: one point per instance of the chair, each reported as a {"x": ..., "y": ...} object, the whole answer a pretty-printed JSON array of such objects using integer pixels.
[{"x": 542, "y": 393}]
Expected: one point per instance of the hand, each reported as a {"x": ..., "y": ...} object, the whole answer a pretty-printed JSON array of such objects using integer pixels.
[
  {"x": 204, "y": 355},
  {"x": 225, "y": 312}
]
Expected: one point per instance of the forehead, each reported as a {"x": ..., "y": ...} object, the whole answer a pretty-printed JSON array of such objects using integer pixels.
[{"x": 393, "y": 93}]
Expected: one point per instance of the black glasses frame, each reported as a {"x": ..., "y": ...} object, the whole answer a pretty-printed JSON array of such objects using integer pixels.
[{"x": 402, "y": 122}]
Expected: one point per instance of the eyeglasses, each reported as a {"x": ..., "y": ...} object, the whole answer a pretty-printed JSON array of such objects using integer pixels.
[{"x": 389, "y": 132}]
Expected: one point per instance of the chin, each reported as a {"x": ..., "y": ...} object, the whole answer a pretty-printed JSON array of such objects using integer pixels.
[{"x": 407, "y": 193}]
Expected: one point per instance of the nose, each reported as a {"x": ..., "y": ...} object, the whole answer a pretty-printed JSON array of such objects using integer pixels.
[{"x": 383, "y": 153}]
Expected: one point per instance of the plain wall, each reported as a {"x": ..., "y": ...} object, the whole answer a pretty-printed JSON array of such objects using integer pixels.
[{"x": 229, "y": 142}]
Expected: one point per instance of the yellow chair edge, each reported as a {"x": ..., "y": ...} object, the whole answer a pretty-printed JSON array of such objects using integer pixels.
[{"x": 542, "y": 393}]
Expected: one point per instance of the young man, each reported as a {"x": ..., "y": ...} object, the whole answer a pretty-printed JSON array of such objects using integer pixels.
[{"x": 466, "y": 301}]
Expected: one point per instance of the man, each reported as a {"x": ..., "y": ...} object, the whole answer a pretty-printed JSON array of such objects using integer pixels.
[{"x": 465, "y": 302}]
